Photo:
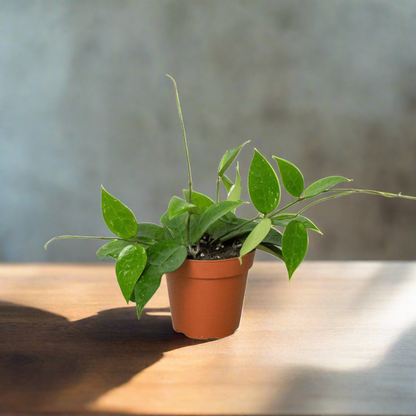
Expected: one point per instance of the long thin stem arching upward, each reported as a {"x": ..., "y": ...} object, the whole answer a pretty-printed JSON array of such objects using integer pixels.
[{"x": 184, "y": 138}]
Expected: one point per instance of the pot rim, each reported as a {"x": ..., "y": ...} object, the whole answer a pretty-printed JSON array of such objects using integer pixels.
[{"x": 214, "y": 269}]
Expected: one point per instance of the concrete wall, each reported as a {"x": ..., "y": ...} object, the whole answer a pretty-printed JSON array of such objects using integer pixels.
[{"x": 84, "y": 101}]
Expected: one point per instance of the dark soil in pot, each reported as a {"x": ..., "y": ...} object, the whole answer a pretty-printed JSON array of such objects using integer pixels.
[{"x": 216, "y": 250}]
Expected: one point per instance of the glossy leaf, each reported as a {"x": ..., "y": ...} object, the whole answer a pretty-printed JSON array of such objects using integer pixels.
[
  {"x": 112, "y": 249},
  {"x": 175, "y": 228},
  {"x": 163, "y": 258},
  {"x": 130, "y": 264},
  {"x": 227, "y": 182},
  {"x": 322, "y": 185},
  {"x": 294, "y": 245},
  {"x": 213, "y": 213},
  {"x": 166, "y": 255},
  {"x": 119, "y": 218},
  {"x": 202, "y": 201},
  {"x": 235, "y": 191},
  {"x": 151, "y": 231},
  {"x": 178, "y": 206},
  {"x": 292, "y": 177},
  {"x": 221, "y": 226},
  {"x": 255, "y": 237},
  {"x": 273, "y": 237},
  {"x": 228, "y": 158},
  {"x": 146, "y": 287},
  {"x": 271, "y": 249},
  {"x": 283, "y": 220},
  {"x": 263, "y": 184}
]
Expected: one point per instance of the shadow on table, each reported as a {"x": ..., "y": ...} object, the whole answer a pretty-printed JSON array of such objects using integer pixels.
[
  {"x": 386, "y": 388},
  {"x": 49, "y": 363}
]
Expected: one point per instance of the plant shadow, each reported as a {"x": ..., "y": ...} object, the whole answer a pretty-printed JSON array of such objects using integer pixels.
[{"x": 50, "y": 363}]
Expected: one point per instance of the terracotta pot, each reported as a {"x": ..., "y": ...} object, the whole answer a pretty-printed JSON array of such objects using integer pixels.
[{"x": 206, "y": 296}]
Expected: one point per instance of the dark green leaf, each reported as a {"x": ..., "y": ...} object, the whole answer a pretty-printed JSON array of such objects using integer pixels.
[
  {"x": 175, "y": 228},
  {"x": 228, "y": 158},
  {"x": 112, "y": 249},
  {"x": 292, "y": 177},
  {"x": 255, "y": 237},
  {"x": 228, "y": 183},
  {"x": 273, "y": 237},
  {"x": 162, "y": 258},
  {"x": 178, "y": 206},
  {"x": 166, "y": 255},
  {"x": 235, "y": 191},
  {"x": 294, "y": 245},
  {"x": 213, "y": 213},
  {"x": 200, "y": 200},
  {"x": 271, "y": 249},
  {"x": 283, "y": 220},
  {"x": 130, "y": 264},
  {"x": 119, "y": 218},
  {"x": 152, "y": 231},
  {"x": 322, "y": 185},
  {"x": 222, "y": 225},
  {"x": 263, "y": 184},
  {"x": 146, "y": 287}
]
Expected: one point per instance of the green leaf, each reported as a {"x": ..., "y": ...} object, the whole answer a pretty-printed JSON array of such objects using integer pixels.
[
  {"x": 175, "y": 228},
  {"x": 283, "y": 220},
  {"x": 227, "y": 182},
  {"x": 273, "y": 237},
  {"x": 151, "y": 231},
  {"x": 263, "y": 184},
  {"x": 163, "y": 257},
  {"x": 119, "y": 218},
  {"x": 200, "y": 200},
  {"x": 221, "y": 226},
  {"x": 112, "y": 249},
  {"x": 271, "y": 249},
  {"x": 235, "y": 191},
  {"x": 292, "y": 177},
  {"x": 130, "y": 264},
  {"x": 146, "y": 287},
  {"x": 322, "y": 185},
  {"x": 228, "y": 158},
  {"x": 294, "y": 245},
  {"x": 166, "y": 255},
  {"x": 213, "y": 213},
  {"x": 255, "y": 237},
  {"x": 178, "y": 206}
]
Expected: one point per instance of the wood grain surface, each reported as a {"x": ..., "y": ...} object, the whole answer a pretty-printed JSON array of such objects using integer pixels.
[{"x": 340, "y": 338}]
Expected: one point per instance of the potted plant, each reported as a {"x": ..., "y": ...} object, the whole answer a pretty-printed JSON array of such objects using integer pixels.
[{"x": 205, "y": 249}]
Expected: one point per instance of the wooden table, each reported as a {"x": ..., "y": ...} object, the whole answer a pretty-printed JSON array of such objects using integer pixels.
[{"x": 339, "y": 339}]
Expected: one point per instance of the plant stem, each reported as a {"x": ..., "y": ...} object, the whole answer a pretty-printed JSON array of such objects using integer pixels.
[
  {"x": 218, "y": 189},
  {"x": 322, "y": 200},
  {"x": 63, "y": 237},
  {"x": 184, "y": 139},
  {"x": 273, "y": 214},
  {"x": 369, "y": 191}
]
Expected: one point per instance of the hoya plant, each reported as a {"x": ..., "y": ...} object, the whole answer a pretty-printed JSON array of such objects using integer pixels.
[{"x": 200, "y": 228}]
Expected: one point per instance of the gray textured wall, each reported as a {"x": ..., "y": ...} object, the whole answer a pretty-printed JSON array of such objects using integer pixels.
[{"x": 84, "y": 101}]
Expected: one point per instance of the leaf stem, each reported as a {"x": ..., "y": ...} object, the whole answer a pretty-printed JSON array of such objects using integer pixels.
[
  {"x": 273, "y": 214},
  {"x": 218, "y": 189},
  {"x": 184, "y": 138},
  {"x": 369, "y": 191},
  {"x": 64, "y": 237},
  {"x": 322, "y": 200}
]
